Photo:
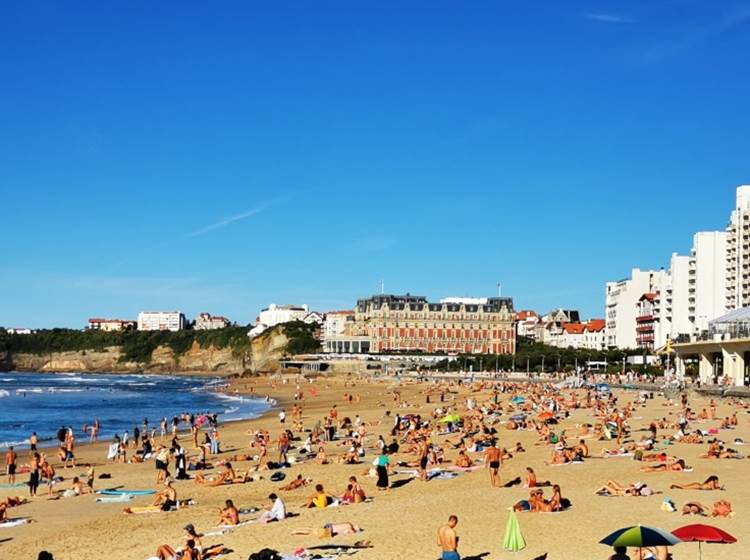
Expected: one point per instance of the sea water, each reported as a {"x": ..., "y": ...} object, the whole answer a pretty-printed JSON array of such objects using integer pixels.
[{"x": 42, "y": 402}]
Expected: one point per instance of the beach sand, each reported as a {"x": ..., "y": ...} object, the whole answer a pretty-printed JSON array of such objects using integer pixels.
[{"x": 402, "y": 522}]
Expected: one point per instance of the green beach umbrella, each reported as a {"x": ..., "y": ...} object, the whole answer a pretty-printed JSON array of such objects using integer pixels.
[
  {"x": 640, "y": 536},
  {"x": 452, "y": 418},
  {"x": 513, "y": 540}
]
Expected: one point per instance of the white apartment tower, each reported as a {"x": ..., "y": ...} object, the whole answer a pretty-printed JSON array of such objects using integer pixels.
[
  {"x": 676, "y": 299},
  {"x": 622, "y": 305},
  {"x": 738, "y": 253},
  {"x": 161, "y": 321},
  {"x": 708, "y": 278}
]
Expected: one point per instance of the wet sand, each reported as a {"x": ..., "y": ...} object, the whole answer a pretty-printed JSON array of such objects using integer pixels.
[{"x": 402, "y": 522}]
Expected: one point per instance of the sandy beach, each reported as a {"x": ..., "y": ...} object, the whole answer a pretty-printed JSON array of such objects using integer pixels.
[{"x": 402, "y": 522}]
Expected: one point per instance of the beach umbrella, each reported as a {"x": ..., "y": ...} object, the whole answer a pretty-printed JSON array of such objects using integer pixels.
[
  {"x": 518, "y": 417},
  {"x": 518, "y": 400},
  {"x": 545, "y": 416},
  {"x": 452, "y": 418},
  {"x": 700, "y": 533},
  {"x": 513, "y": 540},
  {"x": 640, "y": 536}
]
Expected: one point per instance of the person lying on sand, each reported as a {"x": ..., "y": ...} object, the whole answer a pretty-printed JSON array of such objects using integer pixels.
[
  {"x": 189, "y": 552},
  {"x": 298, "y": 482},
  {"x": 229, "y": 514},
  {"x": 330, "y": 530},
  {"x": 678, "y": 465},
  {"x": 711, "y": 483},
  {"x": 717, "y": 451},
  {"x": 613, "y": 488},
  {"x": 228, "y": 476},
  {"x": 694, "y": 508}
]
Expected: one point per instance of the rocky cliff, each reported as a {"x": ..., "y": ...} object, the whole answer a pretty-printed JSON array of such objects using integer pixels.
[{"x": 262, "y": 356}]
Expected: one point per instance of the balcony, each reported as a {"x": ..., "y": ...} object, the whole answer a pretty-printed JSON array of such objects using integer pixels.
[{"x": 644, "y": 318}]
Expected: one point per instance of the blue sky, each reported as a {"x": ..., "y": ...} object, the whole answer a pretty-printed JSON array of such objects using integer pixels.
[{"x": 221, "y": 156}]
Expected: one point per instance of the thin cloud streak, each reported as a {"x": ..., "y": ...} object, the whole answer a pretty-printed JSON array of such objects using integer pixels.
[
  {"x": 608, "y": 18},
  {"x": 229, "y": 220}
]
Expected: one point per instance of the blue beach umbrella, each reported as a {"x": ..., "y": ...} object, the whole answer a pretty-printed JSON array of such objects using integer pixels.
[{"x": 518, "y": 400}]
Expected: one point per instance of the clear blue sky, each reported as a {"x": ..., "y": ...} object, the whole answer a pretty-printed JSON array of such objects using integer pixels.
[{"x": 219, "y": 156}]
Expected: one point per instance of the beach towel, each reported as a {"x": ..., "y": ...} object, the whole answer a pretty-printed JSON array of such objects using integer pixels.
[
  {"x": 113, "y": 450},
  {"x": 117, "y": 492},
  {"x": 608, "y": 456},
  {"x": 241, "y": 524},
  {"x": 14, "y": 485},
  {"x": 440, "y": 474},
  {"x": 466, "y": 469},
  {"x": 566, "y": 464},
  {"x": 14, "y": 523},
  {"x": 115, "y": 499},
  {"x": 143, "y": 509}
]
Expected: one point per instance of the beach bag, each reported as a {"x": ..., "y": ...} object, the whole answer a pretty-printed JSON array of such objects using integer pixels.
[
  {"x": 278, "y": 476},
  {"x": 668, "y": 505},
  {"x": 638, "y": 455}
]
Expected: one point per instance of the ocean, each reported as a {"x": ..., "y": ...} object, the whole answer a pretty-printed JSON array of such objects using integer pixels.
[{"x": 42, "y": 402}]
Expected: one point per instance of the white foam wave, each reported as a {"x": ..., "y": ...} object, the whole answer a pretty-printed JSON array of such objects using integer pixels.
[
  {"x": 31, "y": 390},
  {"x": 4, "y": 393},
  {"x": 13, "y": 443}
]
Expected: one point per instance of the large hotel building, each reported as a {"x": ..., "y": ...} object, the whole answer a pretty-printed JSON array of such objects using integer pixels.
[{"x": 389, "y": 323}]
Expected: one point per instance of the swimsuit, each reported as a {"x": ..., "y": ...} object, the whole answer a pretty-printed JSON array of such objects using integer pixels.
[{"x": 494, "y": 464}]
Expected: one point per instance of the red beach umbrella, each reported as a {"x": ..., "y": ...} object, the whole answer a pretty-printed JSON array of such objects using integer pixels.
[{"x": 703, "y": 533}]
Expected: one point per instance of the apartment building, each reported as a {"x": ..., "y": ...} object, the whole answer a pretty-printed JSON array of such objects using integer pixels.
[
  {"x": 109, "y": 325},
  {"x": 621, "y": 302},
  {"x": 737, "y": 255},
  {"x": 161, "y": 321},
  {"x": 708, "y": 278}
]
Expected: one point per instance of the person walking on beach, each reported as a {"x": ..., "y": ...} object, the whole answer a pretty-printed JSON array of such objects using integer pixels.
[
  {"x": 447, "y": 539},
  {"x": 10, "y": 465},
  {"x": 493, "y": 459}
]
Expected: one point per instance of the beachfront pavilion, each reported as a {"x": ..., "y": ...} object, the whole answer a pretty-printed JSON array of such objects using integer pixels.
[{"x": 722, "y": 352}]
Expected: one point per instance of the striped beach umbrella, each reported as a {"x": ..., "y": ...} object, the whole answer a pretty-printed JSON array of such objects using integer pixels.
[{"x": 640, "y": 536}]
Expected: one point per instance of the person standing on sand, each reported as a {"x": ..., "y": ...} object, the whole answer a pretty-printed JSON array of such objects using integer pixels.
[
  {"x": 423, "y": 451},
  {"x": 10, "y": 465},
  {"x": 34, "y": 465},
  {"x": 493, "y": 460},
  {"x": 447, "y": 539}
]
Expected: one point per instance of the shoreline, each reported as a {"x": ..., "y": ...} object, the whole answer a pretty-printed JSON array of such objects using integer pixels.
[{"x": 50, "y": 443}]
